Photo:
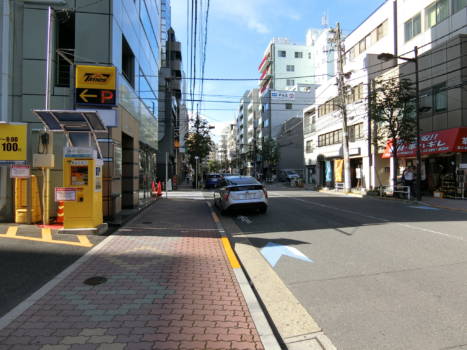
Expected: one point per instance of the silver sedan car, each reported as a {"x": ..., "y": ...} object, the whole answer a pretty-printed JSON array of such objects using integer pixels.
[{"x": 241, "y": 192}]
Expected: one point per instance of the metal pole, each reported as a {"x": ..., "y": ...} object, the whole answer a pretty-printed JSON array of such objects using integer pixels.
[
  {"x": 48, "y": 94},
  {"x": 370, "y": 156},
  {"x": 166, "y": 172},
  {"x": 417, "y": 116},
  {"x": 343, "y": 108},
  {"x": 196, "y": 172}
]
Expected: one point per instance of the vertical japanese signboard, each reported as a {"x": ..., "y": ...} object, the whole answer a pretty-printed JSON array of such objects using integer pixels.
[
  {"x": 13, "y": 143},
  {"x": 96, "y": 85}
]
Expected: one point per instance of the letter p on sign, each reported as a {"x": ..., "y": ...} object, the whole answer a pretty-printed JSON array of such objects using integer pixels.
[{"x": 107, "y": 96}]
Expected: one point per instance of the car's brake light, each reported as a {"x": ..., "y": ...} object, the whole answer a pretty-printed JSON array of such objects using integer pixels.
[
  {"x": 226, "y": 196},
  {"x": 265, "y": 193}
]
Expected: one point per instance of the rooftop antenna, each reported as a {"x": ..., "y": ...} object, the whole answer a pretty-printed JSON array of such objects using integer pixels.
[{"x": 324, "y": 20}]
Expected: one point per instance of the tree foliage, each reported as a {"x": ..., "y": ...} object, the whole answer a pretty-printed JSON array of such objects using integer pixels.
[
  {"x": 393, "y": 110},
  {"x": 198, "y": 141},
  {"x": 270, "y": 153}
]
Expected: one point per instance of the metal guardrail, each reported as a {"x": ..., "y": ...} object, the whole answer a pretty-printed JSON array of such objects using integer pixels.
[
  {"x": 390, "y": 190},
  {"x": 339, "y": 186}
]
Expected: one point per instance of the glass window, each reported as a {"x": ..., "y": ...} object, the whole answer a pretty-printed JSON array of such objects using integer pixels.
[
  {"x": 282, "y": 53},
  {"x": 442, "y": 10},
  {"x": 412, "y": 27},
  {"x": 128, "y": 62},
  {"x": 426, "y": 102},
  {"x": 288, "y": 106},
  {"x": 436, "y": 12},
  {"x": 65, "y": 39},
  {"x": 309, "y": 53},
  {"x": 373, "y": 37},
  {"x": 290, "y": 82},
  {"x": 458, "y": 5},
  {"x": 298, "y": 54},
  {"x": 362, "y": 46},
  {"x": 146, "y": 93},
  {"x": 382, "y": 30},
  {"x": 148, "y": 29},
  {"x": 290, "y": 68},
  {"x": 440, "y": 98}
]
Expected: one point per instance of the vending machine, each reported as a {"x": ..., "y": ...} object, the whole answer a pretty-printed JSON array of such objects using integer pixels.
[{"x": 82, "y": 171}]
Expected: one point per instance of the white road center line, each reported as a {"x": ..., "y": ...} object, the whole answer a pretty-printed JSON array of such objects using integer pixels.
[{"x": 378, "y": 218}]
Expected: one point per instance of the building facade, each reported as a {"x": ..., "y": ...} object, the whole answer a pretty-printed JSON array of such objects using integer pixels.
[
  {"x": 171, "y": 100},
  {"x": 436, "y": 28},
  {"x": 84, "y": 33},
  {"x": 286, "y": 64}
]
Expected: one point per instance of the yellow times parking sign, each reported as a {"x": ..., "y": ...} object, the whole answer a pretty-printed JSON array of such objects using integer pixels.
[{"x": 13, "y": 143}]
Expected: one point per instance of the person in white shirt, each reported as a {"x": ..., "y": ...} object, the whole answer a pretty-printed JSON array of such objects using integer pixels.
[{"x": 409, "y": 176}]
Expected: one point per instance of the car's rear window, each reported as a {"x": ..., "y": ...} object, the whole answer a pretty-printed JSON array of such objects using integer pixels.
[
  {"x": 241, "y": 180},
  {"x": 245, "y": 188}
]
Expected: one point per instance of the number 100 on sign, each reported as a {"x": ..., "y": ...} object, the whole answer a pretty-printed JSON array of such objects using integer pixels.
[{"x": 13, "y": 142}]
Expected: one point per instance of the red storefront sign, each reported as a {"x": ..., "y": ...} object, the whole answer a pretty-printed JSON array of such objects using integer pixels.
[{"x": 444, "y": 141}]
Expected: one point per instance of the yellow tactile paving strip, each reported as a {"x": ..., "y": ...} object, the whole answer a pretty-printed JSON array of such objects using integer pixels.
[{"x": 46, "y": 237}]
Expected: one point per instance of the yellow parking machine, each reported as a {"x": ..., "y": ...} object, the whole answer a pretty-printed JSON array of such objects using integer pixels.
[{"x": 83, "y": 173}]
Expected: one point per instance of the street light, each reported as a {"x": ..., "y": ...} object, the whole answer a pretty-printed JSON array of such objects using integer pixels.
[
  {"x": 387, "y": 57},
  {"x": 196, "y": 171}
]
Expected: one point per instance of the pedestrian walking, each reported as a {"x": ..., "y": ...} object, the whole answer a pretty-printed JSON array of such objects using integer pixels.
[{"x": 408, "y": 176}]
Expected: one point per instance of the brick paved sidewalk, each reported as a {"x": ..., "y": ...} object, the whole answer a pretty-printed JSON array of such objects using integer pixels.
[{"x": 169, "y": 285}]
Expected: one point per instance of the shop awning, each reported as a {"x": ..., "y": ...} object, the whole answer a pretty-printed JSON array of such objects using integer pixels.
[{"x": 443, "y": 141}]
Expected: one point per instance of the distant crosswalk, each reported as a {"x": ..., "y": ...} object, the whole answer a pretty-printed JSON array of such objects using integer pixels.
[{"x": 188, "y": 195}]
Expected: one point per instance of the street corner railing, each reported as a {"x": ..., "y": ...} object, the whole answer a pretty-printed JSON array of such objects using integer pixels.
[{"x": 391, "y": 191}]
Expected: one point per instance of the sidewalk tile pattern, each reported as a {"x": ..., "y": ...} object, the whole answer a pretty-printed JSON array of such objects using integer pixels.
[{"x": 162, "y": 292}]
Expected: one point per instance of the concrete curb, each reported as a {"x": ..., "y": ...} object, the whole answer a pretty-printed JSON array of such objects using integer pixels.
[
  {"x": 265, "y": 331},
  {"x": 33, "y": 298},
  {"x": 356, "y": 195}
]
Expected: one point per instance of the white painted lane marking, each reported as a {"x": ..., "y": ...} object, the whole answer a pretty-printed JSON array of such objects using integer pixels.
[{"x": 379, "y": 219}]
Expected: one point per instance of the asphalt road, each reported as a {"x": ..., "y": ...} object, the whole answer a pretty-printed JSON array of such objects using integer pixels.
[
  {"x": 385, "y": 275},
  {"x": 28, "y": 261}
]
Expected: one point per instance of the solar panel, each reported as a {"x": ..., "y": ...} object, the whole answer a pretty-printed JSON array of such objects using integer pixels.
[
  {"x": 77, "y": 125},
  {"x": 95, "y": 121},
  {"x": 49, "y": 120},
  {"x": 65, "y": 117}
]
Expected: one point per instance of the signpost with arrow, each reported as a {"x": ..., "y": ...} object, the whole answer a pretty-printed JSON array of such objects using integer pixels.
[{"x": 95, "y": 86}]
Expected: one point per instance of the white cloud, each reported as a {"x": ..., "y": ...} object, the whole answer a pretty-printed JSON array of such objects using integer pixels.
[{"x": 248, "y": 12}]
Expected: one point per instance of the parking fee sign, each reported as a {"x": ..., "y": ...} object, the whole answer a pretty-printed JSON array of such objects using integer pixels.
[
  {"x": 13, "y": 143},
  {"x": 65, "y": 194}
]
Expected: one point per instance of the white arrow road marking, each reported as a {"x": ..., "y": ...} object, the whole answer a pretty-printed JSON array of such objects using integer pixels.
[{"x": 244, "y": 219}]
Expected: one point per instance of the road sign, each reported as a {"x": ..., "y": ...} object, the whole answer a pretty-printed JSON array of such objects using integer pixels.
[
  {"x": 13, "y": 143},
  {"x": 96, "y": 85},
  {"x": 20, "y": 171}
]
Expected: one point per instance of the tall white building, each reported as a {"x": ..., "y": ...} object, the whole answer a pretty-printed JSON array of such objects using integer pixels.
[{"x": 285, "y": 64}]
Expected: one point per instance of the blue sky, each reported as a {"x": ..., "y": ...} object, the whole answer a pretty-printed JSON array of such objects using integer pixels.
[{"x": 239, "y": 32}]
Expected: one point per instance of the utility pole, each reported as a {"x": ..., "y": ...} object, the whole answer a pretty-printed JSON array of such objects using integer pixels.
[{"x": 337, "y": 40}]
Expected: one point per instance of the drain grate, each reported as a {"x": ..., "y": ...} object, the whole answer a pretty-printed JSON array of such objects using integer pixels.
[{"x": 94, "y": 281}]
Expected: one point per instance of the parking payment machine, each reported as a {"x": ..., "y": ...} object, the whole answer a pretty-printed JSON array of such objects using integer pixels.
[
  {"x": 82, "y": 166},
  {"x": 83, "y": 172}
]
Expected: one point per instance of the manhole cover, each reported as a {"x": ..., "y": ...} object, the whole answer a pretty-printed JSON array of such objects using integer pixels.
[
  {"x": 147, "y": 222},
  {"x": 94, "y": 281}
]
